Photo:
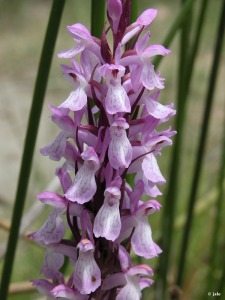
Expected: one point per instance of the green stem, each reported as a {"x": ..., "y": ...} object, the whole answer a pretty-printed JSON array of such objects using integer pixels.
[
  {"x": 134, "y": 11},
  {"x": 221, "y": 285},
  {"x": 201, "y": 146},
  {"x": 185, "y": 73},
  {"x": 174, "y": 28},
  {"x": 38, "y": 97},
  {"x": 196, "y": 43},
  {"x": 169, "y": 206},
  {"x": 97, "y": 17},
  {"x": 217, "y": 220}
]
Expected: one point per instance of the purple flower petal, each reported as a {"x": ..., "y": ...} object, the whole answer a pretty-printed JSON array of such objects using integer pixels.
[
  {"x": 52, "y": 231},
  {"x": 107, "y": 222},
  {"x": 114, "y": 8},
  {"x": 79, "y": 32},
  {"x": 158, "y": 110},
  {"x": 84, "y": 185},
  {"x": 52, "y": 199},
  {"x": 141, "y": 269},
  {"x": 149, "y": 78},
  {"x": 147, "y": 17},
  {"x": 87, "y": 275},
  {"x": 155, "y": 50},
  {"x": 76, "y": 100},
  {"x": 53, "y": 261},
  {"x": 43, "y": 286},
  {"x": 55, "y": 150},
  {"x": 114, "y": 280},
  {"x": 141, "y": 240},
  {"x": 72, "y": 52},
  {"x": 130, "y": 291},
  {"x": 120, "y": 149},
  {"x": 151, "y": 169},
  {"x": 63, "y": 291},
  {"x": 117, "y": 100}
]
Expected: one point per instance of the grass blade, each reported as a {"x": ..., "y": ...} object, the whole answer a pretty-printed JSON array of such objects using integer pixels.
[
  {"x": 211, "y": 284},
  {"x": 185, "y": 73},
  {"x": 97, "y": 17},
  {"x": 201, "y": 146},
  {"x": 38, "y": 97},
  {"x": 196, "y": 43},
  {"x": 169, "y": 206},
  {"x": 174, "y": 28},
  {"x": 134, "y": 11}
]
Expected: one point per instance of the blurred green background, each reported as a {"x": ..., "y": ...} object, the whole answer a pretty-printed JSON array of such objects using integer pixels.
[{"x": 22, "y": 29}]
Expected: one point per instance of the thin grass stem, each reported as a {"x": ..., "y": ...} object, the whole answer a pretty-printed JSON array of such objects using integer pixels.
[
  {"x": 97, "y": 17},
  {"x": 201, "y": 147},
  {"x": 169, "y": 206},
  {"x": 134, "y": 11},
  {"x": 221, "y": 285},
  {"x": 212, "y": 282},
  {"x": 176, "y": 25},
  {"x": 185, "y": 72},
  {"x": 197, "y": 37},
  {"x": 32, "y": 129}
]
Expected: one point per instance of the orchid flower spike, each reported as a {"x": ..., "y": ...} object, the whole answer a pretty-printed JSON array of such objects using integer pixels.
[{"x": 108, "y": 130}]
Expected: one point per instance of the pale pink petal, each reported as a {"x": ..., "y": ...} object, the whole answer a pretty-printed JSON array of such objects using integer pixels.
[
  {"x": 124, "y": 258},
  {"x": 128, "y": 223},
  {"x": 113, "y": 280},
  {"x": 107, "y": 222},
  {"x": 131, "y": 291},
  {"x": 43, "y": 286},
  {"x": 120, "y": 149},
  {"x": 55, "y": 150},
  {"x": 141, "y": 269},
  {"x": 147, "y": 208},
  {"x": 72, "y": 52},
  {"x": 155, "y": 50},
  {"x": 141, "y": 43},
  {"x": 87, "y": 275},
  {"x": 136, "y": 194},
  {"x": 149, "y": 78},
  {"x": 158, "y": 110},
  {"x": 63, "y": 291},
  {"x": 117, "y": 100},
  {"x": 136, "y": 71},
  {"x": 66, "y": 250},
  {"x": 141, "y": 240},
  {"x": 76, "y": 100},
  {"x": 52, "y": 199},
  {"x": 151, "y": 169},
  {"x": 130, "y": 32},
  {"x": 145, "y": 283},
  {"x": 64, "y": 178},
  {"x": 147, "y": 17},
  {"x": 84, "y": 186},
  {"x": 89, "y": 61},
  {"x": 52, "y": 231},
  {"x": 53, "y": 261},
  {"x": 79, "y": 32},
  {"x": 118, "y": 54},
  {"x": 150, "y": 188}
]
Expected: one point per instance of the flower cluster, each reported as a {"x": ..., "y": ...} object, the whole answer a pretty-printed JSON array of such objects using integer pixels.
[{"x": 107, "y": 133}]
